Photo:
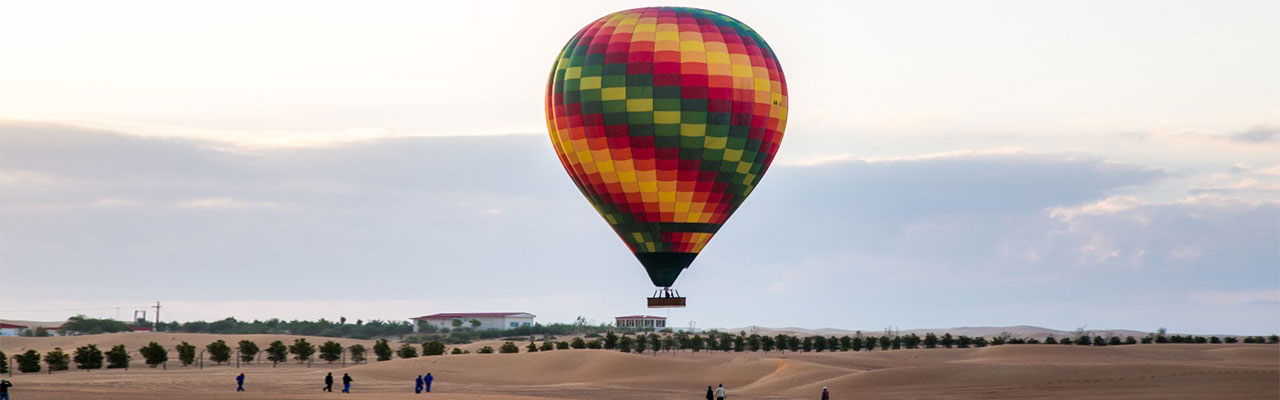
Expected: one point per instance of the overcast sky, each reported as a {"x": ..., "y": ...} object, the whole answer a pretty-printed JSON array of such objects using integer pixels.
[{"x": 1062, "y": 164}]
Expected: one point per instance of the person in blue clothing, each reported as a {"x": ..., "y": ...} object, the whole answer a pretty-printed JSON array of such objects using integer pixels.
[
  {"x": 240, "y": 382},
  {"x": 417, "y": 385},
  {"x": 426, "y": 382},
  {"x": 346, "y": 383},
  {"x": 4, "y": 389}
]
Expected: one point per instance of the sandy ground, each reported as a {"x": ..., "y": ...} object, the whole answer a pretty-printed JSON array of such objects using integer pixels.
[{"x": 1170, "y": 371}]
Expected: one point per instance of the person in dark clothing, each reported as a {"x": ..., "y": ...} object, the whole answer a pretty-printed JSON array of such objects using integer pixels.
[
  {"x": 417, "y": 385},
  {"x": 825, "y": 395},
  {"x": 346, "y": 383},
  {"x": 240, "y": 382},
  {"x": 711, "y": 394},
  {"x": 328, "y": 382},
  {"x": 4, "y": 389},
  {"x": 426, "y": 382}
]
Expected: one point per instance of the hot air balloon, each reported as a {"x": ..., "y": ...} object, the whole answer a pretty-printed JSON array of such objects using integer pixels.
[{"x": 666, "y": 118}]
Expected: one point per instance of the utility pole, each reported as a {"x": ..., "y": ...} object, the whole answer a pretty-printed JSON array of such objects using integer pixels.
[{"x": 156, "y": 326}]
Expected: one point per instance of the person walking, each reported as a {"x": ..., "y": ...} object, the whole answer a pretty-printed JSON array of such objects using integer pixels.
[
  {"x": 240, "y": 382},
  {"x": 825, "y": 395},
  {"x": 328, "y": 383},
  {"x": 426, "y": 382},
  {"x": 417, "y": 385},
  {"x": 711, "y": 394},
  {"x": 4, "y": 389},
  {"x": 346, "y": 383},
  {"x": 720, "y": 393}
]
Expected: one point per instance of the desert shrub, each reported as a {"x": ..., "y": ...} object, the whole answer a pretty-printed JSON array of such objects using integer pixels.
[
  {"x": 407, "y": 351},
  {"x": 546, "y": 346},
  {"x": 382, "y": 350},
  {"x": 87, "y": 357},
  {"x": 578, "y": 343},
  {"x": 248, "y": 350},
  {"x": 432, "y": 348},
  {"x": 57, "y": 360},
  {"x": 357, "y": 353},
  {"x": 28, "y": 362},
  {"x": 154, "y": 354},
  {"x": 219, "y": 351},
  {"x": 595, "y": 344},
  {"x": 186, "y": 353},
  {"x": 485, "y": 350},
  {"x": 508, "y": 347},
  {"x": 118, "y": 357},
  {"x": 302, "y": 350},
  {"x": 330, "y": 351},
  {"x": 277, "y": 352}
]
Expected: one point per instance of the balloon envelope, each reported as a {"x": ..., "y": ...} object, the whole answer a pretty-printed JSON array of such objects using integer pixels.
[{"x": 666, "y": 118}]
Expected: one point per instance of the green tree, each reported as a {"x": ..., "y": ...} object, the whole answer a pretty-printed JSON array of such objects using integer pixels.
[
  {"x": 330, "y": 351},
  {"x": 669, "y": 343},
  {"x": 964, "y": 341},
  {"x": 83, "y": 324},
  {"x": 41, "y": 332},
  {"x": 1065, "y": 340},
  {"x": 624, "y": 344},
  {"x": 947, "y": 341},
  {"x": 248, "y": 350},
  {"x": 655, "y": 342},
  {"x": 885, "y": 342},
  {"x": 382, "y": 350},
  {"x": 753, "y": 343},
  {"x": 28, "y": 362},
  {"x": 154, "y": 354},
  {"x": 546, "y": 346},
  {"x": 869, "y": 343},
  {"x": 357, "y": 353},
  {"x": 407, "y": 351},
  {"x": 531, "y": 347},
  {"x": 1114, "y": 341},
  {"x": 610, "y": 341},
  {"x": 219, "y": 351},
  {"x": 475, "y": 324},
  {"x": 766, "y": 343},
  {"x": 641, "y": 344},
  {"x": 186, "y": 353},
  {"x": 118, "y": 357},
  {"x": 57, "y": 360},
  {"x": 1050, "y": 340},
  {"x": 930, "y": 340},
  {"x": 277, "y": 352},
  {"x": 793, "y": 342},
  {"x": 485, "y": 350},
  {"x": 302, "y": 350},
  {"x": 4, "y": 363},
  {"x": 781, "y": 341},
  {"x": 819, "y": 343},
  {"x": 695, "y": 343},
  {"x": 432, "y": 348},
  {"x": 595, "y": 344},
  {"x": 86, "y": 357},
  {"x": 725, "y": 342},
  {"x": 578, "y": 343},
  {"x": 508, "y": 348},
  {"x": 457, "y": 323},
  {"x": 562, "y": 345}
]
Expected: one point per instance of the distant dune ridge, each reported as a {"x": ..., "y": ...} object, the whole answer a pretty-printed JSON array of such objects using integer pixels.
[{"x": 1157, "y": 371}]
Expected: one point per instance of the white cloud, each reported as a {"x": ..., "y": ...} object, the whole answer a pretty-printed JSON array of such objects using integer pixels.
[{"x": 228, "y": 203}]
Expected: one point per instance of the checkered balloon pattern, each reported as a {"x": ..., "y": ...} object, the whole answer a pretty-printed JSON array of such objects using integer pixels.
[{"x": 666, "y": 118}]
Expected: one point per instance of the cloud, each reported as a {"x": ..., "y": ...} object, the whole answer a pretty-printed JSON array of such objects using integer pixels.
[
  {"x": 444, "y": 219},
  {"x": 1258, "y": 134}
]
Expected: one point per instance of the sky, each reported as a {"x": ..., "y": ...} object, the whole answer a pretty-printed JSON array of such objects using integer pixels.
[{"x": 1107, "y": 165}]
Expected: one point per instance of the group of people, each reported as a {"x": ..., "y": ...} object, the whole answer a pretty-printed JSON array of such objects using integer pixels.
[
  {"x": 422, "y": 383},
  {"x": 346, "y": 383},
  {"x": 720, "y": 394}
]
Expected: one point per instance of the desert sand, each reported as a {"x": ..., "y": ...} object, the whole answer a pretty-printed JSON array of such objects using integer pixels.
[{"x": 1164, "y": 371}]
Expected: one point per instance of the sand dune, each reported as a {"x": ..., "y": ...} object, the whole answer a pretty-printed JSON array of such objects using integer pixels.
[{"x": 1187, "y": 371}]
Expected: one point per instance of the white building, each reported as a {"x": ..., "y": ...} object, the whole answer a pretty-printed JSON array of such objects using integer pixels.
[
  {"x": 506, "y": 320},
  {"x": 11, "y": 329},
  {"x": 640, "y": 321}
]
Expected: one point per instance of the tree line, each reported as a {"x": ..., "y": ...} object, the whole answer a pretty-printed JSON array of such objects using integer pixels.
[{"x": 90, "y": 357}]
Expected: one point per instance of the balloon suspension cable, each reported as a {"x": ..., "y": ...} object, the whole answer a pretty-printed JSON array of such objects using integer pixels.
[{"x": 666, "y": 297}]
